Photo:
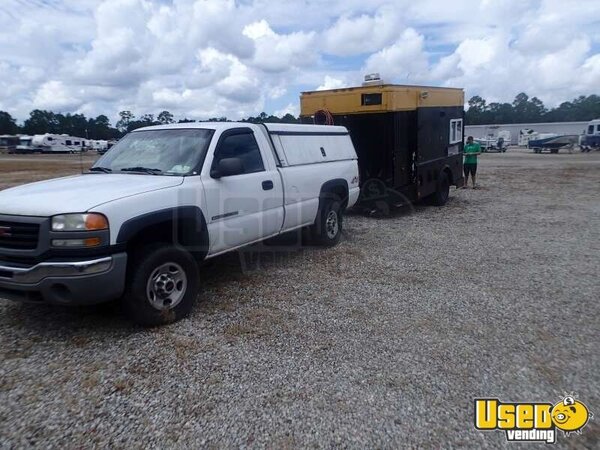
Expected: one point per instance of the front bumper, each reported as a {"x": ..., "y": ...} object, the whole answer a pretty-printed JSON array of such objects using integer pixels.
[{"x": 79, "y": 282}]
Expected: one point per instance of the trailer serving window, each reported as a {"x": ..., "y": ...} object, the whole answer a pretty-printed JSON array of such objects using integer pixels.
[{"x": 456, "y": 131}]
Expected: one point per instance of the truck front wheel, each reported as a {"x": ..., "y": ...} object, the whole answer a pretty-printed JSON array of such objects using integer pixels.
[
  {"x": 327, "y": 229},
  {"x": 162, "y": 285}
]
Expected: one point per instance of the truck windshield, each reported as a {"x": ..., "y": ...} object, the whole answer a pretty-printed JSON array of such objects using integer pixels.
[{"x": 156, "y": 152}]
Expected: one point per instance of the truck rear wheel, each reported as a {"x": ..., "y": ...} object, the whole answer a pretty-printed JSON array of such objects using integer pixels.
[
  {"x": 327, "y": 229},
  {"x": 162, "y": 285},
  {"x": 440, "y": 196}
]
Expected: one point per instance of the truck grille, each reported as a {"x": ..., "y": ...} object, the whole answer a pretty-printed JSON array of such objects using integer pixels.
[{"x": 19, "y": 235}]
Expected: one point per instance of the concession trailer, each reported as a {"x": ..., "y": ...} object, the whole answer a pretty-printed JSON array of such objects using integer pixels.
[{"x": 409, "y": 139}]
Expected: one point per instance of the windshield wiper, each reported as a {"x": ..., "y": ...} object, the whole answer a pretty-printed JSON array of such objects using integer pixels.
[
  {"x": 142, "y": 169},
  {"x": 101, "y": 169}
]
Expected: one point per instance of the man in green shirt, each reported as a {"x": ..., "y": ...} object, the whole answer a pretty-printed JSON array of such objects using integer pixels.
[{"x": 472, "y": 149}]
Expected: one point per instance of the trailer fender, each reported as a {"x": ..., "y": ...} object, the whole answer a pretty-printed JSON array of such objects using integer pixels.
[{"x": 446, "y": 169}]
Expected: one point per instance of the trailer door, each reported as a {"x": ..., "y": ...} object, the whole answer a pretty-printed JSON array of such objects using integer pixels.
[{"x": 405, "y": 146}]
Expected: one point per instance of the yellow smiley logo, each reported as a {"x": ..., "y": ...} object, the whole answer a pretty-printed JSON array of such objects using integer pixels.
[{"x": 570, "y": 415}]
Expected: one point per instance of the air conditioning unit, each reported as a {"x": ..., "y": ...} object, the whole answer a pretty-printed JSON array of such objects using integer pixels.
[{"x": 372, "y": 79}]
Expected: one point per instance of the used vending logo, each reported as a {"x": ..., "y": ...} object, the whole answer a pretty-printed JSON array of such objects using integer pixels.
[{"x": 531, "y": 422}]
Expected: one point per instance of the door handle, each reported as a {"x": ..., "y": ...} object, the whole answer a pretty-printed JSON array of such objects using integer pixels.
[{"x": 267, "y": 185}]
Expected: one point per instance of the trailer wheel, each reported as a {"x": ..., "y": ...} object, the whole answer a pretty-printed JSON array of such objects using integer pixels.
[
  {"x": 440, "y": 196},
  {"x": 162, "y": 285},
  {"x": 327, "y": 229}
]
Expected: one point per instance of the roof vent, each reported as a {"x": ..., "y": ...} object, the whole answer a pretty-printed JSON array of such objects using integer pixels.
[{"x": 372, "y": 79}]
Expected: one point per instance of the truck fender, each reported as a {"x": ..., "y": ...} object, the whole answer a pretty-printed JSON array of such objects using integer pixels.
[
  {"x": 336, "y": 188},
  {"x": 186, "y": 225}
]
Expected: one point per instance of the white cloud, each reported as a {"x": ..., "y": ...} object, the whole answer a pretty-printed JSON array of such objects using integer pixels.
[
  {"x": 277, "y": 92},
  {"x": 497, "y": 70},
  {"x": 206, "y": 58},
  {"x": 404, "y": 61},
  {"x": 590, "y": 74},
  {"x": 278, "y": 53},
  {"x": 291, "y": 108},
  {"x": 54, "y": 95},
  {"x": 331, "y": 83},
  {"x": 364, "y": 33}
]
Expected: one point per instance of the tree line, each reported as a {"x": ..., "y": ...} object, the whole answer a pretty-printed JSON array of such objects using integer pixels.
[
  {"x": 524, "y": 109},
  {"x": 41, "y": 121}
]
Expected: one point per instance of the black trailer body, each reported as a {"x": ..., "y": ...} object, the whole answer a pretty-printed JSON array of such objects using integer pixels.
[{"x": 408, "y": 139}]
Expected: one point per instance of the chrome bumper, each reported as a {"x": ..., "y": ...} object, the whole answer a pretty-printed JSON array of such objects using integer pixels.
[
  {"x": 82, "y": 282},
  {"x": 35, "y": 274}
]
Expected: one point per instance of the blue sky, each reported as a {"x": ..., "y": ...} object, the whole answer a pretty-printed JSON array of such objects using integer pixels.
[{"x": 206, "y": 58}]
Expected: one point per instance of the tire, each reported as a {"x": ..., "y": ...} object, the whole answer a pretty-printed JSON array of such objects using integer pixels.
[
  {"x": 327, "y": 229},
  {"x": 162, "y": 285},
  {"x": 441, "y": 195}
]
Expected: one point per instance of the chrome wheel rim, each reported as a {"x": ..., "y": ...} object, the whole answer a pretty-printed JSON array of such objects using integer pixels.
[
  {"x": 332, "y": 225},
  {"x": 166, "y": 286}
]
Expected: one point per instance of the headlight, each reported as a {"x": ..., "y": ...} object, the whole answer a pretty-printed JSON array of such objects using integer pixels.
[{"x": 79, "y": 222}]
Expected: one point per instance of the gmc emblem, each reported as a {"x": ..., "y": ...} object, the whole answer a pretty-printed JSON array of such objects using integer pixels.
[{"x": 5, "y": 231}]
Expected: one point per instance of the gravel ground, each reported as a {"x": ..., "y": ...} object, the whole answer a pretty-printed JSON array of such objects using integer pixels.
[{"x": 381, "y": 342}]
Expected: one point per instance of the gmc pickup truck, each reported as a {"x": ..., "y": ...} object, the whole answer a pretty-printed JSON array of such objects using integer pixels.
[{"x": 164, "y": 198}]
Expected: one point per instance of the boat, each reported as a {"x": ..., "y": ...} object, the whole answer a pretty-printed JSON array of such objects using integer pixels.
[{"x": 553, "y": 143}]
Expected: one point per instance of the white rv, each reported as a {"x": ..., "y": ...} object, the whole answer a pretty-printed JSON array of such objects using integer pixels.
[
  {"x": 591, "y": 137},
  {"x": 25, "y": 145},
  {"x": 99, "y": 145},
  {"x": 58, "y": 143}
]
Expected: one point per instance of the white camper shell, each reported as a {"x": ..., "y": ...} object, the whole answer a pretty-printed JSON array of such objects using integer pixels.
[{"x": 309, "y": 144}]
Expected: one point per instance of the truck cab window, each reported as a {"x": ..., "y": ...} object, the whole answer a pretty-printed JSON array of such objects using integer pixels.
[
  {"x": 241, "y": 146},
  {"x": 591, "y": 129}
]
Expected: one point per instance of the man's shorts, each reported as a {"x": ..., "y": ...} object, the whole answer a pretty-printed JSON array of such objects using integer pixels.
[{"x": 470, "y": 169}]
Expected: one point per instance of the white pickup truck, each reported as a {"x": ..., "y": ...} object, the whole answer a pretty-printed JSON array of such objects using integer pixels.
[{"x": 164, "y": 198}]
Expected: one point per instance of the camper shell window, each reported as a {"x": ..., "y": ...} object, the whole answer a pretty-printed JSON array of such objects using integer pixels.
[
  {"x": 456, "y": 131},
  {"x": 68, "y": 142},
  {"x": 371, "y": 99}
]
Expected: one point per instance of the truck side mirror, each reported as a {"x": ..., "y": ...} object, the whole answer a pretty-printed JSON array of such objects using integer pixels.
[{"x": 227, "y": 167}]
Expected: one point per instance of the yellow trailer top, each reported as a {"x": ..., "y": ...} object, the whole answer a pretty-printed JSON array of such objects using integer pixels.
[{"x": 379, "y": 98}]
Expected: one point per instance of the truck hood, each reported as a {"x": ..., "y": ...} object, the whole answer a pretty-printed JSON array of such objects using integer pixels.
[{"x": 78, "y": 193}]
